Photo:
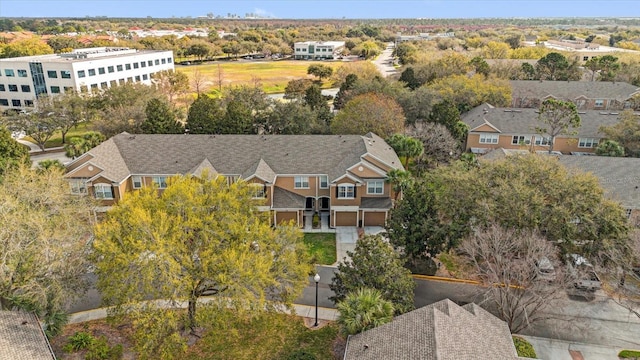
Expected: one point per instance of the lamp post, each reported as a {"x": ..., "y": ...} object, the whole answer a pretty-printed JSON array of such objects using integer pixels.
[{"x": 317, "y": 279}]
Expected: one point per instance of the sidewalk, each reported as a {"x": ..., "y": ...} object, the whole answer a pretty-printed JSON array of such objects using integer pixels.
[
  {"x": 552, "y": 349},
  {"x": 300, "y": 310}
]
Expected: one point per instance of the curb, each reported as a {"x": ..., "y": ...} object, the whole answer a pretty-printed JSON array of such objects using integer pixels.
[{"x": 445, "y": 279}]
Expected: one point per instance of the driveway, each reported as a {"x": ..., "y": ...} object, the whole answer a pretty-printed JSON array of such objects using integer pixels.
[{"x": 347, "y": 236}]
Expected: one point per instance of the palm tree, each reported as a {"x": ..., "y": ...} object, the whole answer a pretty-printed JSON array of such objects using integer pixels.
[
  {"x": 399, "y": 180},
  {"x": 405, "y": 147},
  {"x": 364, "y": 309}
]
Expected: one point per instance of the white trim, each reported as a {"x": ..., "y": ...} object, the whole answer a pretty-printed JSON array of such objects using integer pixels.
[
  {"x": 301, "y": 182},
  {"x": 346, "y": 186},
  {"x": 89, "y": 163},
  {"x": 370, "y": 166},
  {"x": 320, "y": 182},
  {"x": 485, "y": 123},
  {"x": 88, "y": 153},
  {"x": 376, "y": 181},
  {"x": 344, "y": 208},
  {"x": 133, "y": 182},
  {"x": 333, "y": 183},
  {"x": 382, "y": 161}
]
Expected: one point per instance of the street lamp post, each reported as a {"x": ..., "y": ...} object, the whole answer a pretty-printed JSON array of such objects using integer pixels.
[{"x": 317, "y": 279}]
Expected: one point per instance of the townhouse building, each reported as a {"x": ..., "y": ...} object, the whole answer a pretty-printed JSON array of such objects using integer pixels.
[
  {"x": 294, "y": 175},
  {"x": 24, "y": 79}
]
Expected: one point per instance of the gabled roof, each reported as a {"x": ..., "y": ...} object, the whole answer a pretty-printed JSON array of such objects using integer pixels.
[
  {"x": 205, "y": 165},
  {"x": 375, "y": 203},
  {"x": 573, "y": 89},
  {"x": 619, "y": 176},
  {"x": 260, "y": 155},
  {"x": 440, "y": 331},
  {"x": 524, "y": 121},
  {"x": 22, "y": 338}
]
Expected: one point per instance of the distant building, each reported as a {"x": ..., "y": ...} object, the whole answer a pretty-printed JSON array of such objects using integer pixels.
[
  {"x": 24, "y": 79},
  {"x": 317, "y": 50},
  {"x": 423, "y": 36},
  {"x": 583, "y": 51}
]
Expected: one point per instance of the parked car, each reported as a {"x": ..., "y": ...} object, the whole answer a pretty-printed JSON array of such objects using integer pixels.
[
  {"x": 545, "y": 269},
  {"x": 583, "y": 274}
]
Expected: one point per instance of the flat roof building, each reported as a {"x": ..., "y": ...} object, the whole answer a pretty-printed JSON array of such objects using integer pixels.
[
  {"x": 24, "y": 79},
  {"x": 312, "y": 50}
]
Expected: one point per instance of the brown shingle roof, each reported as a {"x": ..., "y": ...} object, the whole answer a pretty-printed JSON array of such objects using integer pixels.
[
  {"x": 22, "y": 338},
  {"x": 440, "y": 331},
  {"x": 524, "y": 121},
  {"x": 285, "y": 199},
  {"x": 571, "y": 90},
  {"x": 263, "y": 155}
]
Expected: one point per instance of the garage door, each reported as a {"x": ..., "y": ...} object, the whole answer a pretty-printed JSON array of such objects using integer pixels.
[
  {"x": 373, "y": 219},
  {"x": 346, "y": 218},
  {"x": 286, "y": 216}
]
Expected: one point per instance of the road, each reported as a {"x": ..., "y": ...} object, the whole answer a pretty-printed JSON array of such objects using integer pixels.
[
  {"x": 384, "y": 61},
  {"x": 599, "y": 322}
]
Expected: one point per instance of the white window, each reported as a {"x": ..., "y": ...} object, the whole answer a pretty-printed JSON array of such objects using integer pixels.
[
  {"x": 375, "y": 187},
  {"x": 346, "y": 191},
  {"x": 324, "y": 182},
  {"x": 599, "y": 103},
  {"x": 259, "y": 191},
  {"x": 489, "y": 138},
  {"x": 231, "y": 179},
  {"x": 301, "y": 182},
  {"x": 137, "y": 182},
  {"x": 78, "y": 186},
  {"x": 160, "y": 181},
  {"x": 587, "y": 142},
  {"x": 103, "y": 191},
  {"x": 519, "y": 140},
  {"x": 542, "y": 140}
]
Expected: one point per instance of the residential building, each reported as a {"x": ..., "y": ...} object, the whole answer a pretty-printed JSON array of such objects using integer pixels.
[
  {"x": 22, "y": 337},
  {"x": 511, "y": 128},
  {"x": 587, "y": 95},
  {"x": 440, "y": 331},
  {"x": 295, "y": 175},
  {"x": 24, "y": 79},
  {"x": 317, "y": 50}
]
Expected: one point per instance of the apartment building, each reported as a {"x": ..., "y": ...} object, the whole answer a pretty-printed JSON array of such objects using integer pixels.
[
  {"x": 317, "y": 50},
  {"x": 24, "y": 79}
]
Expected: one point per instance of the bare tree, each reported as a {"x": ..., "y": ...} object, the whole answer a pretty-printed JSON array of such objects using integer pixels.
[
  {"x": 220, "y": 78},
  {"x": 198, "y": 80},
  {"x": 440, "y": 148},
  {"x": 507, "y": 263}
]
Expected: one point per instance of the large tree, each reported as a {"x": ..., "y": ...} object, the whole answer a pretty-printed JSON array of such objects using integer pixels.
[
  {"x": 406, "y": 147},
  {"x": 557, "y": 117},
  {"x": 440, "y": 147},
  {"x": 44, "y": 241},
  {"x": 374, "y": 264},
  {"x": 200, "y": 236},
  {"x": 506, "y": 262},
  {"x": 369, "y": 112},
  {"x": 320, "y": 70},
  {"x": 204, "y": 115},
  {"x": 626, "y": 132},
  {"x": 12, "y": 153},
  {"x": 555, "y": 66},
  {"x": 447, "y": 114},
  {"x": 39, "y": 124},
  {"x": 160, "y": 119},
  {"x": 171, "y": 83}
]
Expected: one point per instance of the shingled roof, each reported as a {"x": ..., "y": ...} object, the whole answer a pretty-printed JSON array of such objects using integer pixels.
[
  {"x": 440, "y": 331},
  {"x": 22, "y": 338},
  {"x": 524, "y": 121},
  {"x": 572, "y": 90},
  {"x": 263, "y": 156}
]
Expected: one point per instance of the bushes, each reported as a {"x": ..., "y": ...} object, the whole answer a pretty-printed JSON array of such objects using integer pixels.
[
  {"x": 97, "y": 349},
  {"x": 629, "y": 354},
  {"x": 79, "y": 341},
  {"x": 524, "y": 348}
]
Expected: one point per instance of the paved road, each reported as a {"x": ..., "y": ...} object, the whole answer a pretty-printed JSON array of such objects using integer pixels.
[{"x": 384, "y": 62}]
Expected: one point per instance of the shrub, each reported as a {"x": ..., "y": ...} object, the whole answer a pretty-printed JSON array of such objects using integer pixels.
[
  {"x": 79, "y": 341},
  {"x": 316, "y": 220},
  {"x": 524, "y": 348},
  {"x": 100, "y": 350},
  {"x": 301, "y": 355},
  {"x": 629, "y": 354}
]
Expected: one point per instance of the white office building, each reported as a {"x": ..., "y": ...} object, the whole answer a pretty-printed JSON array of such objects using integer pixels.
[
  {"x": 24, "y": 79},
  {"x": 317, "y": 50}
]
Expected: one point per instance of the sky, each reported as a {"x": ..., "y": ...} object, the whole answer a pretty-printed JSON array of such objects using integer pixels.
[{"x": 314, "y": 9}]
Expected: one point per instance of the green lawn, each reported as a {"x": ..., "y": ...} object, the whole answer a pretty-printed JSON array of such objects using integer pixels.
[
  {"x": 56, "y": 139},
  {"x": 265, "y": 337},
  {"x": 272, "y": 75},
  {"x": 322, "y": 247}
]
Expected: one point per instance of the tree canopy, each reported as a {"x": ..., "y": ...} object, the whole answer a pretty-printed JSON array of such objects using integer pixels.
[
  {"x": 558, "y": 118},
  {"x": 12, "y": 153},
  {"x": 626, "y": 132},
  {"x": 370, "y": 112}
]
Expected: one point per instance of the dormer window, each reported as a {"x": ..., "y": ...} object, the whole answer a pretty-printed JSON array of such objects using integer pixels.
[{"x": 346, "y": 191}]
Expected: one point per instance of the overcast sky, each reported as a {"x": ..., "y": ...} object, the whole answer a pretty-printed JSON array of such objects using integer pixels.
[{"x": 313, "y": 9}]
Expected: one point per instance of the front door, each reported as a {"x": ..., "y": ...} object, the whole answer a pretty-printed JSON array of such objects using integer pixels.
[
  {"x": 310, "y": 204},
  {"x": 324, "y": 203}
]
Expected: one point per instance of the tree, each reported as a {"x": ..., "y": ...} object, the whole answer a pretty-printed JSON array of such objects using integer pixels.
[
  {"x": 296, "y": 88},
  {"x": 80, "y": 145},
  {"x": 71, "y": 109},
  {"x": 12, "y": 153},
  {"x": 608, "y": 67},
  {"x": 362, "y": 310},
  {"x": 345, "y": 86},
  {"x": 367, "y": 49},
  {"x": 39, "y": 124},
  {"x": 405, "y": 147},
  {"x": 558, "y": 118},
  {"x": 446, "y": 113},
  {"x": 369, "y": 112},
  {"x": 61, "y": 44},
  {"x": 480, "y": 66},
  {"x": 314, "y": 99},
  {"x": 374, "y": 264},
  {"x": 626, "y": 132},
  {"x": 320, "y": 70},
  {"x": 161, "y": 119},
  {"x": 505, "y": 261},
  {"x": 440, "y": 147},
  {"x": 467, "y": 92},
  {"x": 399, "y": 180},
  {"x": 496, "y": 50},
  {"x": 26, "y": 47},
  {"x": 44, "y": 237},
  {"x": 610, "y": 148},
  {"x": 204, "y": 115},
  {"x": 555, "y": 66},
  {"x": 200, "y": 236},
  {"x": 289, "y": 118},
  {"x": 413, "y": 228},
  {"x": 409, "y": 78},
  {"x": 171, "y": 83}
]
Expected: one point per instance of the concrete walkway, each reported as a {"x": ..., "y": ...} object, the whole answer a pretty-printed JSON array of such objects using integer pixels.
[
  {"x": 552, "y": 349},
  {"x": 346, "y": 238},
  {"x": 300, "y": 310}
]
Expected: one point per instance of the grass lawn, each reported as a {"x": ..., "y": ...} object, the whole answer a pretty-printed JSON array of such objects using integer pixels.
[
  {"x": 322, "y": 247},
  {"x": 269, "y": 336},
  {"x": 56, "y": 139},
  {"x": 273, "y": 75}
]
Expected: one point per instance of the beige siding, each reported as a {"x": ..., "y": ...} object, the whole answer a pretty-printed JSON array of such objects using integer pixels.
[{"x": 288, "y": 183}]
